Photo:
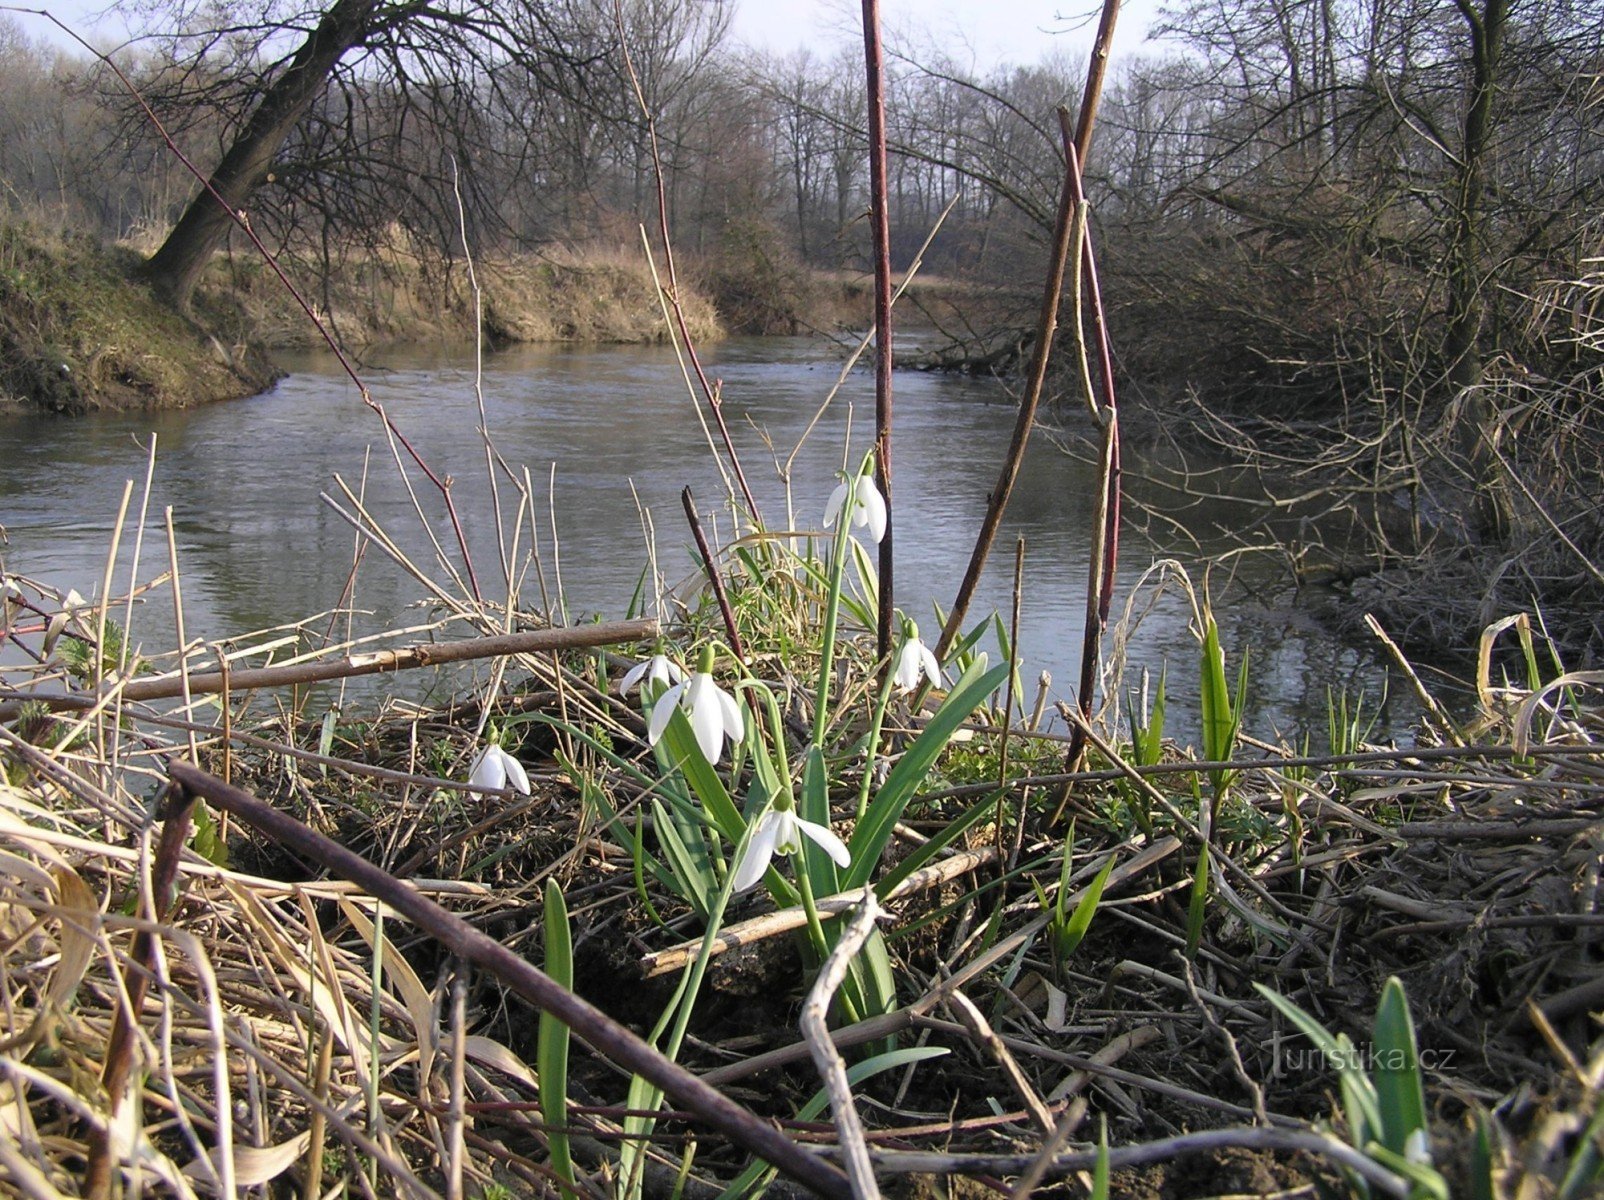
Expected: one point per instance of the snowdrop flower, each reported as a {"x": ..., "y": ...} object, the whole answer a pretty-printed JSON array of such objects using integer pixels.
[
  {"x": 866, "y": 504},
  {"x": 658, "y": 669},
  {"x": 71, "y": 607},
  {"x": 712, "y": 712},
  {"x": 495, "y": 769},
  {"x": 781, "y": 831},
  {"x": 1417, "y": 1148},
  {"x": 10, "y": 597},
  {"x": 915, "y": 660}
]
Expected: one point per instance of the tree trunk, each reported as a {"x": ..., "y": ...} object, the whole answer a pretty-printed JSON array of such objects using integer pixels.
[
  {"x": 177, "y": 266},
  {"x": 1462, "y": 348}
]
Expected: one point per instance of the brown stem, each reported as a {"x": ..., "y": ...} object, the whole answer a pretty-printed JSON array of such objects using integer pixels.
[
  {"x": 880, "y": 221},
  {"x": 534, "y": 641},
  {"x": 1095, "y": 71},
  {"x": 713, "y": 576},
  {"x": 1046, "y": 327},
  {"x": 607, "y": 1037}
]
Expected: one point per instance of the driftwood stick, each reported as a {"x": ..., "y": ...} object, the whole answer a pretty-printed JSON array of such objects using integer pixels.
[
  {"x": 534, "y": 641},
  {"x": 768, "y": 925},
  {"x": 607, "y": 1037}
]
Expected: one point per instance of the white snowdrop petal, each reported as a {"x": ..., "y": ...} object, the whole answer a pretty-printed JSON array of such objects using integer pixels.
[
  {"x": 872, "y": 507},
  {"x": 730, "y": 711},
  {"x": 827, "y": 841},
  {"x": 633, "y": 676},
  {"x": 707, "y": 719},
  {"x": 488, "y": 772},
  {"x": 516, "y": 775},
  {"x": 786, "y": 838},
  {"x": 906, "y": 676},
  {"x": 662, "y": 711},
  {"x": 832, "y": 509},
  {"x": 759, "y": 851}
]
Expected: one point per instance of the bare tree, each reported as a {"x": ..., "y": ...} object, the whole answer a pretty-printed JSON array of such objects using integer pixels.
[{"x": 453, "y": 51}]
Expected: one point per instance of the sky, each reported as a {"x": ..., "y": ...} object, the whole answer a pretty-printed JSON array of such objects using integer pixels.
[
  {"x": 979, "y": 33},
  {"x": 985, "y": 32}
]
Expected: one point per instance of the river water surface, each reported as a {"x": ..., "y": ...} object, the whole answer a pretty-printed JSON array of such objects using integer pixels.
[{"x": 613, "y": 431}]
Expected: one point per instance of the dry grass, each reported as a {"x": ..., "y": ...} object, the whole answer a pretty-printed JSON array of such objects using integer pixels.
[{"x": 1470, "y": 871}]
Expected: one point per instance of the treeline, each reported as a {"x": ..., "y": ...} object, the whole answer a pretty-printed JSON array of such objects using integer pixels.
[{"x": 1287, "y": 189}]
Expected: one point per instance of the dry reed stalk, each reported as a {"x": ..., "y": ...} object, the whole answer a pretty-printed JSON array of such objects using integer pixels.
[
  {"x": 757, "y": 929},
  {"x": 536, "y": 641}
]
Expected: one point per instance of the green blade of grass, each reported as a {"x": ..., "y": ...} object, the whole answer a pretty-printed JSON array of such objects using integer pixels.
[
  {"x": 872, "y": 833},
  {"x": 1080, "y": 920},
  {"x": 1359, "y": 1094},
  {"x": 553, "y": 1036},
  {"x": 1400, "y": 1097},
  {"x": 1197, "y": 909}
]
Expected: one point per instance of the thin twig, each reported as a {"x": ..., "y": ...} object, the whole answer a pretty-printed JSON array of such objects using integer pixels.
[
  {"x": 880, "y": 224},
  {"x": 816, "y": 1032},
  {"x": 1024, "y": 421},
  {"x": 1202, "y": 1142},
  {"x": 714, "y": 579}
]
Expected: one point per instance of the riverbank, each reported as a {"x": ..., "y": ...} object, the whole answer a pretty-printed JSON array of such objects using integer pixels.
[{"x": 80, "y": 332}]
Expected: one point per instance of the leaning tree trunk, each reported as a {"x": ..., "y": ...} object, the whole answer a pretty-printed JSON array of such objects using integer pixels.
[{"x": 176, "y": 267}]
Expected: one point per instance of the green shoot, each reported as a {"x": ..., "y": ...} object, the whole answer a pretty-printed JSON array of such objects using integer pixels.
[
  {"x": 553, "y": 1037},
  {"x": 1386, "y": 1109}
]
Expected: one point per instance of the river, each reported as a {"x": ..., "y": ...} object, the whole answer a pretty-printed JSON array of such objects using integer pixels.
[{"x": 613, "y": 433}]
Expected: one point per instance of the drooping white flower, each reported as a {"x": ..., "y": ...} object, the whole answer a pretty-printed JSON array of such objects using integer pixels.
[
  {"x": 1417, "y": 1147},
  {"x": 712, "y": 712},
  {"x": 867, "y": 505},
  {"x": 780, "y": 831},
  {"x": 71, "y": 608},
  {"x": 915, "y": 659},
  {"x": 495, "y": 769},
  {"x": 659, "y": 669}
]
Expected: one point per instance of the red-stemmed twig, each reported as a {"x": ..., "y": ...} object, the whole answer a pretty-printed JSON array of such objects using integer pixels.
[
  {"x": 1105, "y": 532},
  {"x": 880, "y": 222},
  {"x": 716, "y": 580},
  {"x": 1076, "y": 148},
  {"x": 1041, "y": 352},
  {"x": 242, "y": 221}
]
